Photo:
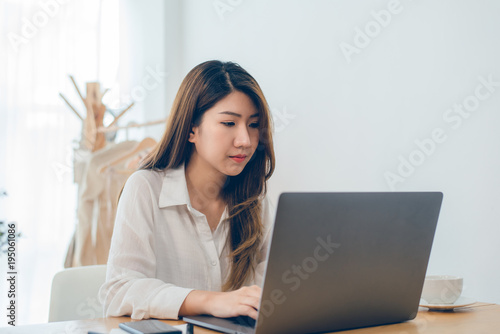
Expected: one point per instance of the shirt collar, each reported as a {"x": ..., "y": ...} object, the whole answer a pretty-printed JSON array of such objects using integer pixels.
[{"x": 174, "y": 188}]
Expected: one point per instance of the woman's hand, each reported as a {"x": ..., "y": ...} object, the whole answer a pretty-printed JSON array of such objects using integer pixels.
[{"x": 244, "y": 301}]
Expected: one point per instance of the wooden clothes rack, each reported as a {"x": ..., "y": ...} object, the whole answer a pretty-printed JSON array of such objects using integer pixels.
[
  {"x": 145, "y": 144},
  {"x": 111, "y": 128},
  {"x": 93, "y": 138}
]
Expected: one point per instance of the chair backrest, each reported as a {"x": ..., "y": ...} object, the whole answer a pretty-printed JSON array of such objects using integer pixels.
[{"x": 74, "y": 293}]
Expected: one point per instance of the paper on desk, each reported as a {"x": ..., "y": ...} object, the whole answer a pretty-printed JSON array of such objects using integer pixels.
[{"x": 183, "y": 328}]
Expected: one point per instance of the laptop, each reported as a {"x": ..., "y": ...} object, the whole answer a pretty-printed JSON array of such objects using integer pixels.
[{"x": 340, "y": 261}]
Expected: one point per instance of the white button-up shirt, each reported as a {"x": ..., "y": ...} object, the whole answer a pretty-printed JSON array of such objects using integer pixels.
[{"x": 162, "y": 248}]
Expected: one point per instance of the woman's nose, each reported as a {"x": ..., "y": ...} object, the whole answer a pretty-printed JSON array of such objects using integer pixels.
[{"x": 242, "y": 138}]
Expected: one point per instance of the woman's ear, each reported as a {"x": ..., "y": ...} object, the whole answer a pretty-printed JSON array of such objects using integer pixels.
[{"x": 192, "y": 134}]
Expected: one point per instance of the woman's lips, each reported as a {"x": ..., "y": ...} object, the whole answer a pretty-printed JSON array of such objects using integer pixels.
[{"x": 238, "y": 158}]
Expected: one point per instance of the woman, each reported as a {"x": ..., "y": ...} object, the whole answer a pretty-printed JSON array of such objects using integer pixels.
[{"x": 193, "y": 224}]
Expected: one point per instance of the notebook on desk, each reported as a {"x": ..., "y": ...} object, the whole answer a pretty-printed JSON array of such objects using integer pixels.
[{"x": 340, "y": 261}]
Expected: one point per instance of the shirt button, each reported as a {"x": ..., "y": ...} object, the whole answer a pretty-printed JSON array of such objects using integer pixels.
[{"x": 214, "y": 263}]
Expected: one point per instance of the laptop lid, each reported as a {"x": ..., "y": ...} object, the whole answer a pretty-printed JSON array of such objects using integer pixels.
[{"x": 346, "y": 260}]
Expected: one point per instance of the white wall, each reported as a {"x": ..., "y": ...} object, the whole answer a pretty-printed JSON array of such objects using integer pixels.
[
  {"x": 343, "y": 125},
  {"x": 142, "y": 72}
]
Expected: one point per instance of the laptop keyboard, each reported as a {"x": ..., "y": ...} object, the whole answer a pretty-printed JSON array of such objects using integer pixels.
[{"x": 243, "y": 321}]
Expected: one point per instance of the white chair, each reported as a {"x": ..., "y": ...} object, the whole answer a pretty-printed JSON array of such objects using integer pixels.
[{"x": 74, "y": 293}]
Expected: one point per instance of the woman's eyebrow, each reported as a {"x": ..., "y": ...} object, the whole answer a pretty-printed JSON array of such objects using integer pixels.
[{"x": 236, "y": 114}]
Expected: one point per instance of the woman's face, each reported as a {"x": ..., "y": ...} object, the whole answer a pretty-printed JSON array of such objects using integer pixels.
[{"x": 228, "y": 135}]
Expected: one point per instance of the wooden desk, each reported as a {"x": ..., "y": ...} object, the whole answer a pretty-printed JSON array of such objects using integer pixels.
[{"x": 477, "y": 318}]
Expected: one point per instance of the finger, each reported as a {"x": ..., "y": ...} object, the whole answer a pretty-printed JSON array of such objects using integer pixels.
[
  {"x": 251, "y": 302},
  {"x": 253, "y": 314},
  {"x": 248, "y": 311}
]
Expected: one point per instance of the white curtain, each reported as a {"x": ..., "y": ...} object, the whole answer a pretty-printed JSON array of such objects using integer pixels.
[{"x": 41, "y": 42}]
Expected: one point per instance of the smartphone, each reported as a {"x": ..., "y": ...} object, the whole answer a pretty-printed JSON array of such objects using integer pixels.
[{"x": 149, "y": 327}]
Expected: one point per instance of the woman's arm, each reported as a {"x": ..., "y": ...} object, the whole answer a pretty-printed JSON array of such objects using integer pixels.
[{"x": 131, "y": 286}]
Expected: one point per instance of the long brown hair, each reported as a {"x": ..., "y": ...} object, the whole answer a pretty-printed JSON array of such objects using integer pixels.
[{"x": 201, "y": 89}]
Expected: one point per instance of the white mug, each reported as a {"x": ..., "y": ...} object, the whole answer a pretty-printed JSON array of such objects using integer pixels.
[{"x": 442, "y": 289}]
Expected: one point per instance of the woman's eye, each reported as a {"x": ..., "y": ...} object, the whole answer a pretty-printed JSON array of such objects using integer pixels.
[
  {"x": 254, "y": 125},
  {"x": 228, "y": 123}
]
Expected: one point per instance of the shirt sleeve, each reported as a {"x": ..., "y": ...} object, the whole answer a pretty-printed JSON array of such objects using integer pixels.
[
  {"x": 131, "y": 286},
  {"x": 267, "y": 220}
]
